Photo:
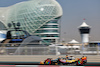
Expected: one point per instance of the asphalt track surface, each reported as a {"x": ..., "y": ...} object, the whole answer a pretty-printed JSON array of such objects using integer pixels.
[{"x": 37, "y": 63}]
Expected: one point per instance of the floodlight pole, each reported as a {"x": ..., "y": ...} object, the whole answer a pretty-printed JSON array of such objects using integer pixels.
[
  {"x": 56, "y": 49},
  {"x": 82, "y": 48}
]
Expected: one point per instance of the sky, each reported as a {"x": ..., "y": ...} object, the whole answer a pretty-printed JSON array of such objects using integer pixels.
[{"x": 73, "y": 13}]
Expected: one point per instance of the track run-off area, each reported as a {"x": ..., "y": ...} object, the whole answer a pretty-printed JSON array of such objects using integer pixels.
[
  {"x": 42, "y": 66},
  {"x": 36, "y": 64},
  {"x": 33, "y": 61}
]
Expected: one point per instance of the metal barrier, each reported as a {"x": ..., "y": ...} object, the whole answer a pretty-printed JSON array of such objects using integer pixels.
[
  {"x": 34, "y": 49},
  {"x": 90, "y": 51}
]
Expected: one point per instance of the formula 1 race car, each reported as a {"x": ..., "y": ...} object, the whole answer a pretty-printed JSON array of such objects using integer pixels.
[
  {"x": 65, "y": 61},
  {"x": 59, "y": 61}
]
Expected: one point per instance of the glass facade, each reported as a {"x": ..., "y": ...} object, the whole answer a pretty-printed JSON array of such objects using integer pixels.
[
  {"x": 44, "y": 31},
  {"x": 34, "y": 15},
  {"x": 49, "y": 26},
  {"x": 2, "y": 26},
  {"x": 50, "y": 31}
]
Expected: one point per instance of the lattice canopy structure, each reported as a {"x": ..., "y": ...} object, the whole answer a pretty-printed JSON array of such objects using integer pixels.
[{"x": 32, "y": 14}]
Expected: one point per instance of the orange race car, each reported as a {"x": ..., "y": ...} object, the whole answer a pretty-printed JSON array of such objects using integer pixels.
[{"x": 65, "y": 61}]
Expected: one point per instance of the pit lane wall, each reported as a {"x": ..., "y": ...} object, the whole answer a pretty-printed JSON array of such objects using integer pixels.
[{"x": 38, "y": 58}]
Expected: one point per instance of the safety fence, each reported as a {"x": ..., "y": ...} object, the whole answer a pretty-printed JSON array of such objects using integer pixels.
[{"x": 32, "y": 49}]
